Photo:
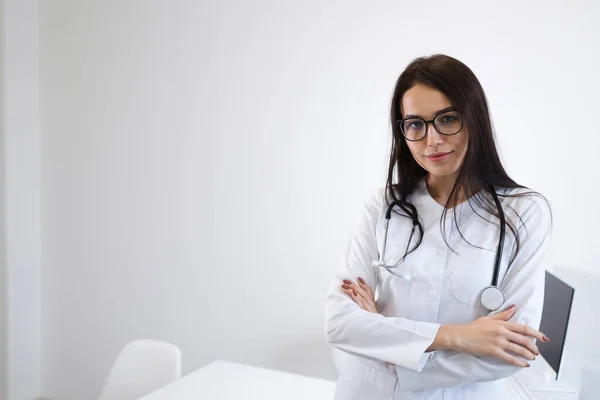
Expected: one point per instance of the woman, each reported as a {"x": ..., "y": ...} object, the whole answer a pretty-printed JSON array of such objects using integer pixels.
[{"x": 433, "y": 332}]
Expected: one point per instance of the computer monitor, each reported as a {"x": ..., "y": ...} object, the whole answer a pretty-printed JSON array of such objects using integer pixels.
[{"x": 558, "y": 300}]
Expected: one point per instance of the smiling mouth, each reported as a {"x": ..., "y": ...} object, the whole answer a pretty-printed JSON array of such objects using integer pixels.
[{"x": 438, "y": 156}]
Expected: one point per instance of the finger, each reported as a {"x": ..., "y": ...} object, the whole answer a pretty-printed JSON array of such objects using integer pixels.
[
  {"x": 504, "y": 315},
  {"x": 354, "y": 286},
  {"x": 351, "y": 292},
  {"x": 368, "y": 294},
  {"x": 500, "y": 353},
  {"x": 370, "y": 304},
  {"x": 365, "y": 304},
  {"x": 347, "y": 289},
  {"x": 353, "y": 296},
  {"x": 363, "y": 285},
  {"x": 359, "y": 300},
  {"x": 523, "y": 341},
  {"x": 520, "y": 351},
  {"x": 527, "y": 331},
  {"x": 348, "y": 285}
]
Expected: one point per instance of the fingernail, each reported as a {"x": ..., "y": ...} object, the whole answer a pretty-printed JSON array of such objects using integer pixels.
[
  {"x": 361, "y": 280},
  {"x": 527, "y": 366},
  {"x": 354, "y": 292},
  {"x": 347, "y": 282},
  {"x": 511, "y": 307},
  {"x": 545, "y": 339},
  {"x": 346, "y": 287}
]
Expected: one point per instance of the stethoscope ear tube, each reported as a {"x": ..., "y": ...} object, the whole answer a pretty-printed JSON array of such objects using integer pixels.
[
  {"x": 411, "y": 211},
  {"x": 500, "y": 240},
  {"x": 492, "y": 297}
]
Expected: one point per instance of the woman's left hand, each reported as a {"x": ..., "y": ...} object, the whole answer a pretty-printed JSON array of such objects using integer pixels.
[{"x": 361, "y": 294}]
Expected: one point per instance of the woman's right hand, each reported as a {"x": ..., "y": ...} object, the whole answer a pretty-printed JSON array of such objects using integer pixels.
[{"x": 494, "y": 336}]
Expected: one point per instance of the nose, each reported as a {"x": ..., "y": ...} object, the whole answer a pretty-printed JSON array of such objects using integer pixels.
[{"x": 434, "y": 138}]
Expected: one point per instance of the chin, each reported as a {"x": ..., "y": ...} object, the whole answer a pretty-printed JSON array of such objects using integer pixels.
[{"x": 441, "y": 171}]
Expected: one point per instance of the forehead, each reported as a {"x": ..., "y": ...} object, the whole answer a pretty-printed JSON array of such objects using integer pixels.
[{"x": 423, "y": 101}]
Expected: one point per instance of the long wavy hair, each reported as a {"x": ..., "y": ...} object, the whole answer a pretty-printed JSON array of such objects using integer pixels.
[{"x": 481, "y": 170}]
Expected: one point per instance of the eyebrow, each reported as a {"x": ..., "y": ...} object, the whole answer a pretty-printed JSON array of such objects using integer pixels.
[{"x": 451, "y": 108}]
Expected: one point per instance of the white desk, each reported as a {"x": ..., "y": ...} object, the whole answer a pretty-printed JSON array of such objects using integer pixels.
[
  {"x": 541, "y": 384},
  {"x": 223, "y": 380}
]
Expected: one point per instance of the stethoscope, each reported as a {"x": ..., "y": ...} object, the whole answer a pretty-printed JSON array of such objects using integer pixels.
[{"x": 492, "y": 297}]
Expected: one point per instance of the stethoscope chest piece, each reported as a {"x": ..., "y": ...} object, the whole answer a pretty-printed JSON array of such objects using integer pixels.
[{"x": 492, "y": 298}]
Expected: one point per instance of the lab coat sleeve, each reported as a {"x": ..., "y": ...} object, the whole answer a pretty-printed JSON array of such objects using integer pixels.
[
  {"x": 523, "y": 286},
  {"x": 394, "y": 340}
]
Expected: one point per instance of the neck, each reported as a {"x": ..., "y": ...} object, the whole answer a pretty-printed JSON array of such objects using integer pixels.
[{"x": 440, "y": 188}]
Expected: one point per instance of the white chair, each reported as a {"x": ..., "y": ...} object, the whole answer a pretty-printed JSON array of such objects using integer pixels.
[{"x": 143, "y": 366}]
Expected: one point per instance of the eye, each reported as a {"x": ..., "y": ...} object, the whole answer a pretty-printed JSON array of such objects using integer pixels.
[
  {"x": 447, "y": 119},
  {"x": 414, "y": 124}
]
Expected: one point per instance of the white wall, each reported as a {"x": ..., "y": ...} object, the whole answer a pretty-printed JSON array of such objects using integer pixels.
[
  {"x": 20, "y": 182},
  {"x": 203, "y": 161}
]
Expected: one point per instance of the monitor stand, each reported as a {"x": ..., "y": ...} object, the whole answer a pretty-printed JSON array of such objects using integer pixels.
[{"x": 540, "y": 377}]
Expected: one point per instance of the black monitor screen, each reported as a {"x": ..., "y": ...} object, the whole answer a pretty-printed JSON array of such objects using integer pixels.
[{"x": 558, "y": 299}]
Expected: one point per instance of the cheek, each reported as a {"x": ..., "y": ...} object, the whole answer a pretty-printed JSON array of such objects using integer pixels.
[
  {"x": 462, "y": 145},
  {"x": 415, "y": 148}
]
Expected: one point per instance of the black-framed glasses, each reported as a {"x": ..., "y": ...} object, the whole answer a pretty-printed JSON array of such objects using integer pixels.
[{"x": 447, "y": 122}]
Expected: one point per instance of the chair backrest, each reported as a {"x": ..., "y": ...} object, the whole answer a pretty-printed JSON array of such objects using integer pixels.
[{"x": 143, "y": 366}]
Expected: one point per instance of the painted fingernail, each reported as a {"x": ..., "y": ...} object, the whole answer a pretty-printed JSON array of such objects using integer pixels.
[
  {"x": 527, "y": 365},
  {"x": 346, "y": 287},
  {"x": 511, "y": 307},
  {"x": 347, "y": 282},
  {"x": 545, "y": 339},
  {"x": 361, "y": 280},
  {"x": 354, "y": 292}
]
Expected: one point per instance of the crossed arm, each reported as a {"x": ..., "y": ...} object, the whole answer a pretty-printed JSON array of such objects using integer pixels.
[{"x": 429, "y": 355}]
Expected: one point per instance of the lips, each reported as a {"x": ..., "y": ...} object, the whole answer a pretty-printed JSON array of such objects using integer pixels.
[{"x": 437, "y": 155}]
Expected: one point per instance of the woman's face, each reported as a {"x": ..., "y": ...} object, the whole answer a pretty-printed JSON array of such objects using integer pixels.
[{"x": 438, "y": 154}]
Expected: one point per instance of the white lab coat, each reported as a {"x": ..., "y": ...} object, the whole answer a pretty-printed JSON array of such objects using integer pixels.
[{"x": 388, "y": 359}]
